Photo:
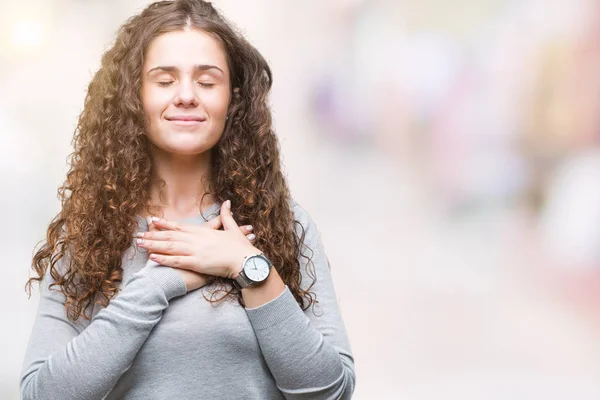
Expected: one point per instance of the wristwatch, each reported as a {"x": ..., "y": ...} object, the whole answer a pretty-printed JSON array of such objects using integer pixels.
[{"x": 255, "y": 269}]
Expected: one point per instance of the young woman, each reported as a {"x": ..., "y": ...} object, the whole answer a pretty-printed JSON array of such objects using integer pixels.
[{"x": 151, "y": 286}]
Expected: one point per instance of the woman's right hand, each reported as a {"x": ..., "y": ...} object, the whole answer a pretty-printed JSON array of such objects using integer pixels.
[{"x": 194, "y": 280}]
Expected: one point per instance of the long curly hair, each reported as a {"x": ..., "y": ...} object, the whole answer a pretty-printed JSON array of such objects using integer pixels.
[{"x": 111, "y": 170}]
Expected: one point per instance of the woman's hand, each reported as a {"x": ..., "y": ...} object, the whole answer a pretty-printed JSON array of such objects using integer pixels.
[
  {"x": 193, "y": 280},
  {"x": 200, "y": 248}
]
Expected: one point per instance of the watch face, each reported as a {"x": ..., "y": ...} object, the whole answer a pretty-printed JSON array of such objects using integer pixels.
[{"x": 257, "y": 269}]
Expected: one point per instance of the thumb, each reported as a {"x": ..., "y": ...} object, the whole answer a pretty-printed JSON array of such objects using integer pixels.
[
  {"x": 226, "y": 217},
  {"x": 214, "y": 223}
]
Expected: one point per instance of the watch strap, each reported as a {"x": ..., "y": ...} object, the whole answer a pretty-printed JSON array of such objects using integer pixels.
[{"x": 241, "y": 281}]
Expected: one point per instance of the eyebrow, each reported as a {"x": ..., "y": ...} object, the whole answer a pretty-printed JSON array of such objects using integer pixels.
[{"x": 197, "y": 68}]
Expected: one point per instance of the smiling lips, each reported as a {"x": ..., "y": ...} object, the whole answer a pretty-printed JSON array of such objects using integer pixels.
[{"x": 185, "y": 120}]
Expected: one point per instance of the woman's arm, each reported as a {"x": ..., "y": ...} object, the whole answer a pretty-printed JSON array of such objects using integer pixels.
[
  {"x": 66, "y": 360},
  {"x": 309, "y": 355}
]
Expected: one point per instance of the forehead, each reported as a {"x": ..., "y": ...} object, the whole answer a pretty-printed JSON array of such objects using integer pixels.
[{"x": 184, "y": 49}]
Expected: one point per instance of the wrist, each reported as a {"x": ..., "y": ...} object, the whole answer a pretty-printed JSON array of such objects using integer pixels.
[
  {"x": 234, "y": 272},
  {"x": 238, "y": 263},
  {"x": 256, "y": 296}
]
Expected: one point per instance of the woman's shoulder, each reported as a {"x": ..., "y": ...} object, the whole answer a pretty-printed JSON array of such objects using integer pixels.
[
  {"x": 300, "y": 213},
  {"x": 302, "y": 216},
  {"x": 297, "y": 209}
]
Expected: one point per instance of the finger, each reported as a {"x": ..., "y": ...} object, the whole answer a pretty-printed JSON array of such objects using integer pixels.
[
  {"x": 151, "y": 227},
  {"x": 214, "y": 223},
  {"x": 154, "y": 246},
  {"x": 226, "y": 217},
  {"x": 182, "y": 262},
  {"x": 167, "y": 236},
  {"x": 162, "y": 223},
  {"x": 246, "y": 229}
]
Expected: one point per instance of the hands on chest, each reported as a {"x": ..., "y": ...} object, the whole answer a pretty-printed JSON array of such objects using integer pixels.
[{"x": 199, "y": 250}]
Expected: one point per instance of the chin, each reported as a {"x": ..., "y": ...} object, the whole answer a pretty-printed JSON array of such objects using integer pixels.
[
  {"x": 186, "y": 150},
  {"x": 188, "y": 147}
]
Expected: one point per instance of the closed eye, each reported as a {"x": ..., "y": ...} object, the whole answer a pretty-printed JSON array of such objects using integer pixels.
[{"x": 169, "y": 83}]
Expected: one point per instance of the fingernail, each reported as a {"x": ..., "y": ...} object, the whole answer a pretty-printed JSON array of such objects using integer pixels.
[
  {"x": 228, "y": 204},
  {"x": 139, "y": 234},
  {"x": 249, "y": 227},
  {"x": 154, "y": 219},
  {"x": 140, "y": 241},
  {"x": 149, "y": 220},
  {"x": 251, "y": 236}
]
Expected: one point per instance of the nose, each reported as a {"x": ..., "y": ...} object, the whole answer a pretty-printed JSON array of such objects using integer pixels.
[{"x": 186, "y": 94}]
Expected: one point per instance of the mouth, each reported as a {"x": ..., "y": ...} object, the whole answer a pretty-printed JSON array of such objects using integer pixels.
[{"x": 185, "y": 120}]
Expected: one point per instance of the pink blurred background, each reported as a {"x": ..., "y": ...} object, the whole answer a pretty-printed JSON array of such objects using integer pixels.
[{"x": 448, "y": 151}]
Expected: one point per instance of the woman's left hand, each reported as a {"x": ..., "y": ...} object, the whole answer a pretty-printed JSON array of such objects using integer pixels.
[{"x": 199, "y": 248}]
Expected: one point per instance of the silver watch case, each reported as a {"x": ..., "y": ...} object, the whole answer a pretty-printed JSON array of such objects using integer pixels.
[{"x": 242, "y": 280}]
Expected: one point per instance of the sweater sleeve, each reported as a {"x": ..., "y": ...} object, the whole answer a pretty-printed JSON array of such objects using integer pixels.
[
  {"x": 308, "y": 352},
  {"x": 83, "y": 360}
]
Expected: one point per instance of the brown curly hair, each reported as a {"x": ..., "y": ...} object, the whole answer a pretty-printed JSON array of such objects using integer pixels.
[{"x": 110, "y": 173}]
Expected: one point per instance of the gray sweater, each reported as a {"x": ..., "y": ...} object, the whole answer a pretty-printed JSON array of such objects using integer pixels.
[{"x": 154, "y": 341}]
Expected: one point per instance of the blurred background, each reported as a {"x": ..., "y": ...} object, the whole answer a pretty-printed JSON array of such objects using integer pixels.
[{"x": 448, "y": 151}]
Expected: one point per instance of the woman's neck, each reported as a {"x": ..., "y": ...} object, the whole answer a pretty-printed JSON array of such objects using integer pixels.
[{"x": 186, "y": 178}]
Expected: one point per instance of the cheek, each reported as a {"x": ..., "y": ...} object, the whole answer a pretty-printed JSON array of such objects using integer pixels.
[
  {"x": 154, "y": 103},
  {"x": 217, "y": 103}
]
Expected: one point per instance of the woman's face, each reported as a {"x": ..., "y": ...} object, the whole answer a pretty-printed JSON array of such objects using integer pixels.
[{"x": 185, "y": 91}]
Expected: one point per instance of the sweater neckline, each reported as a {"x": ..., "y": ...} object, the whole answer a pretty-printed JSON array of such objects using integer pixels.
[{"x": 210, "y": 211}]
